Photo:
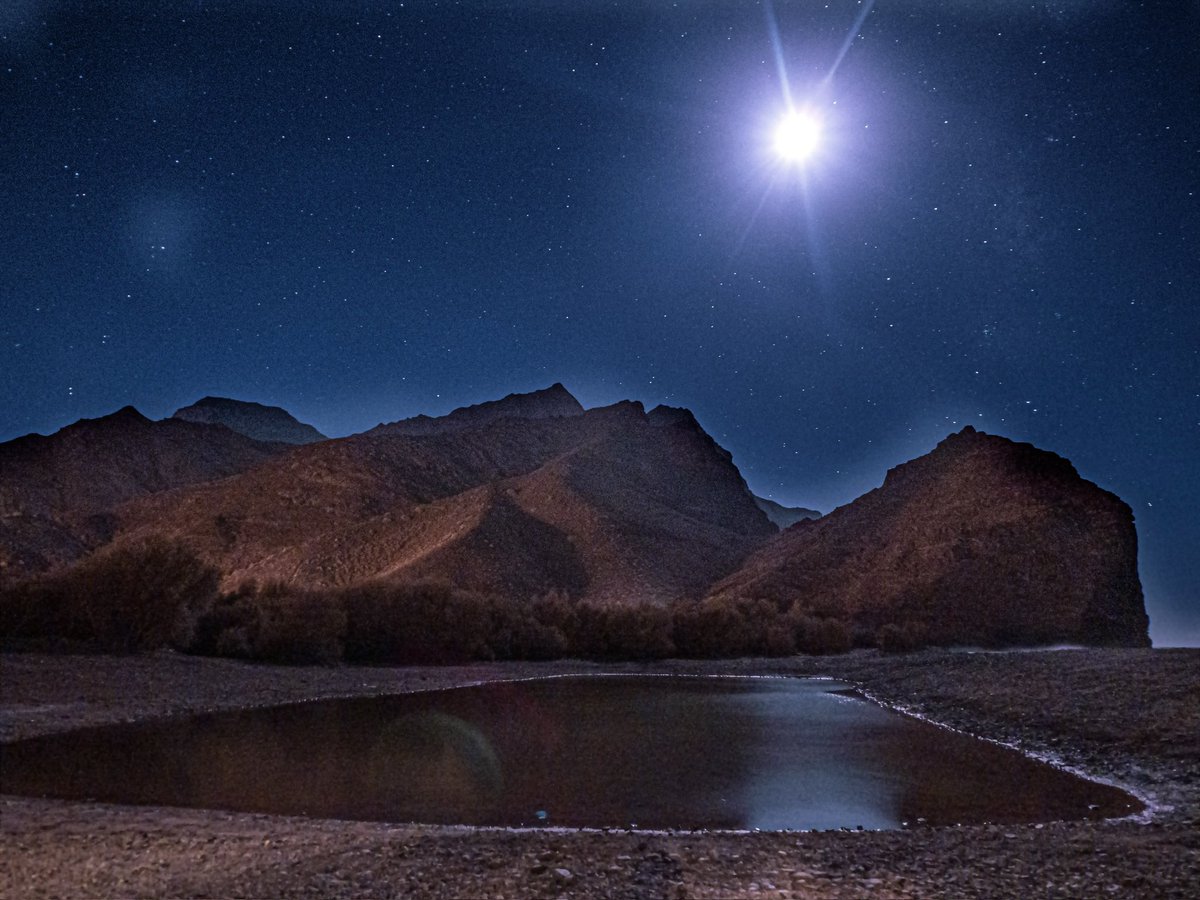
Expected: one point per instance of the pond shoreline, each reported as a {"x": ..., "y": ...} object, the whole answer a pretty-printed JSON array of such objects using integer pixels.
[{"x": 1126, "y": 717}]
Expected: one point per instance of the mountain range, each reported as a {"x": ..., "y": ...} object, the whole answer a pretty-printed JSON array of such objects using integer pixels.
[{"x": 983, "y": 540}]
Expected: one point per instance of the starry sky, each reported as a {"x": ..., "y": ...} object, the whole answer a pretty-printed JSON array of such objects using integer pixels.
[{"x": 361, "y": 210}]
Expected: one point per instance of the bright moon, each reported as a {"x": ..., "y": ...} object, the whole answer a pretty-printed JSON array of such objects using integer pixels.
[{"x": 797, "y": 136}]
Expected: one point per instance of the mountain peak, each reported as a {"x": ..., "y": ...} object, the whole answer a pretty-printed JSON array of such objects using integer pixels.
[
  {"x": 125, "y": 417},
  {"x": 255, "y": 420},
  {"x": 983, "y": 540},
  {"x": 672, "y": 415},
  {"x": 552, "y": 402},
  {"x": 127, "y": 413}
]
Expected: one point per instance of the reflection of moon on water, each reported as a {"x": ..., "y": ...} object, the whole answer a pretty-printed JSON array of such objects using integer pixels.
[{"x": 436, "y": 760}]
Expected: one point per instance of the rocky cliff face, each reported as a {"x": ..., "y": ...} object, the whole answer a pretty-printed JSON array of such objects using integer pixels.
[
  {"x": 263, "y": 423},
  {"x": 58, "y": 492},
  {"x": 549, "y": 403},
  {"x": 982, "y": 541}
]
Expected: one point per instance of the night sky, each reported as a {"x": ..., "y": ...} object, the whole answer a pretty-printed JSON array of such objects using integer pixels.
[{"x": 365, "y": 210}]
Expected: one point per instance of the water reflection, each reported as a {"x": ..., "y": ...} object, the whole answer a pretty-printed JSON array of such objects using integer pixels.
[{"x": 611, "y": 751}]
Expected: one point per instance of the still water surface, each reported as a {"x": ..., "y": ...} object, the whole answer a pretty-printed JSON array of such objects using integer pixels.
[{"x": 655, "y": 752}]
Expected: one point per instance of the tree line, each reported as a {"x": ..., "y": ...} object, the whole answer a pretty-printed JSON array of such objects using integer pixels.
[{"x": 137, "y": 597}]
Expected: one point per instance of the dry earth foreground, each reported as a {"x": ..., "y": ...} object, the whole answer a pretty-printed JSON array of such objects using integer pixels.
[{"x": 1130, "y": 716}]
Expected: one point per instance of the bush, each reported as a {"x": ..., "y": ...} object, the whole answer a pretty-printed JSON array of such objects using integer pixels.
[
  {"x": 33, "y": 610},
  {"x": 123, "y": 598},
  {"x": 434, "y": 623},
  {"x": 227, "y": 627},
  {"x": 274, "y": 622},
  {"x": 729, "y": 627},
  {"x": 893, "y": 638},
  {"x": 421, "y": 622},
  {"x": 821, "y": 636},
  {"x": 297, "y": 626},
  {"x": 710, "y": 629},
  {"x": 529, "y": 631},
  {"x": 621, "y": 631}
]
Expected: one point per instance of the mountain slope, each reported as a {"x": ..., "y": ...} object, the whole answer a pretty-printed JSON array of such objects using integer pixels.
[
  {"x": 263, "y": 423},
  {"x": 613, "y": 504},
  {"x": 57, "y": 491},
  {"x": 983, "y": 540},
  {"x": 549, "y": 403},
  {"x": 784, "y": 516}
]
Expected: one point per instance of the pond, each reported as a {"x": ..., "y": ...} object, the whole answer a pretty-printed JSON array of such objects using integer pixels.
[{"x": 619, "y": 751}]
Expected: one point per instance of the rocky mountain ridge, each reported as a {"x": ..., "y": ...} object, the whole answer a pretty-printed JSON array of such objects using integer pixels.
[
  {"x": 58, "y": 493},
  {"x": 263, "y": 423},
  {"x": 549, "y": 403},
  {"x": 614, "y": 504},
  {"x": 983, "y": 540}
]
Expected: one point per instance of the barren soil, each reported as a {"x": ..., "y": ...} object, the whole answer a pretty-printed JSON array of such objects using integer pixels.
[{"x": 1127, "y": 716}]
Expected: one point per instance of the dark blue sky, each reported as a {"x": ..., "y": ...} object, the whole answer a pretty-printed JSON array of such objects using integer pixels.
[{"x": 364, "y": 210}]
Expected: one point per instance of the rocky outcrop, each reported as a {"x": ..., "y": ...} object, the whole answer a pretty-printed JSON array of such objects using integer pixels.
[
  {"x": 982, "y": 541},
  {"x": 263, "y": 423},
  {"x": 549, "y": 403},
  {"x": 58, "y": 492},
  {"x": 784, "y": 516}
]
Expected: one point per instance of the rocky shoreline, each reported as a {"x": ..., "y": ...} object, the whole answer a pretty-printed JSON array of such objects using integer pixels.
[{"x": 1129, "y": 717}]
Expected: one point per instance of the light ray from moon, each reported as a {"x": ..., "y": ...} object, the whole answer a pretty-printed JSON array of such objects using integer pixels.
[
  {"x": 777, "y": 46},
  {"x": 858, "y": 24}
]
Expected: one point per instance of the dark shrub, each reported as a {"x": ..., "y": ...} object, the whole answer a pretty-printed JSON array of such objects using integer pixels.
[
  {"x": 863, "y": 636},
  {"x": 778, "y": 638},
  {"x": 34, "y": 610},
  {"x": 421, "y": 622},
  {"x": 137, "y": 597},
  {"x": 773, "y": 631},
  {"x": 126, "y": 598},
  {"x": 621, "y": 631},
  {"x": 820, "y": 636},
  {"x": 711, "y": 629},
  {"x": 227, "y": 627},
  {"x": 893, "y": 638},
  {"x": 559, "y": 614},
  {"x": 295, "y": 626},
  {"x": 273, "y": 622},
  {"x": 526, "y": 631},
  {"x": 729, "y": 627}
]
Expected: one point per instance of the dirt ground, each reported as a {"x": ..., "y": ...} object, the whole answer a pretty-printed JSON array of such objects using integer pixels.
[{"x": 1131, "y": 717}]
